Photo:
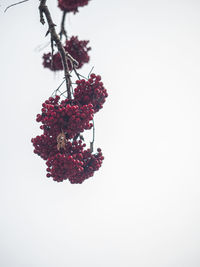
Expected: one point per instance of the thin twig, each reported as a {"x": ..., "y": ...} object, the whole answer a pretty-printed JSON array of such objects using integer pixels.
[
  {"x": 15, "y": 4},
  {"x": 93, "y": 131},
  {"x": 41, "y": 47},
  {"x": 52, "y": 51},
  {"x": 83, "y": 76},
  {"x": 92, "y": 143},
  {"x": 57, "y": 90},
  {"x": 77, "y": 74},
  {"x": 90, "y": 72},
  {"x": 62, "y": 27},
  {"x": 72, "y": 61},
  {"x": 63, "y": 93}
]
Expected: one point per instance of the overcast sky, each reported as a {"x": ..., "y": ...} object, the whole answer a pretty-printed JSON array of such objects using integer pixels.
[{"x": 142, "y": 208}]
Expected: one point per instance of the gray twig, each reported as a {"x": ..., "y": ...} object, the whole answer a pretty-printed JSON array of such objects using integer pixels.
[{"x": 15, "y": 4}]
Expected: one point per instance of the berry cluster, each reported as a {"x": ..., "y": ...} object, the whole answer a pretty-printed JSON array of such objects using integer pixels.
[
  {"x": 60, "y": 145},
  {"x": 74, "y": 163},
  {"x": 53, "y": 63},
  {"x": 77, "y": 49},
  {"x": 91, "y": 91},
  {"x": 66, "y": 116},
  {"x": 71, "y": 5},
  {"x": 45, "y": 145}
]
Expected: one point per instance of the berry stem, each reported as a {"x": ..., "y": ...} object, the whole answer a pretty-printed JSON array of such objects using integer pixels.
[
  {"x": 93, "y": 136},
  {"x": 77, "y": 74},
  {"x": 62, "y": 28}
]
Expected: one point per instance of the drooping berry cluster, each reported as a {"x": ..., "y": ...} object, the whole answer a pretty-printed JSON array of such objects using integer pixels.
[
  {"x": 71, "y": 5},
  {"x": 66, "y": 116},
  {"x": 77, "y": 49},
  {"x": 91, "y": 91},
  {"x": 45, "y": 145},
  {"x": 55, "y": 64},
  {"x": 60, "y": 145},
  {"x": 63, "y": 120},
  {"x": 74, "y": 163}
]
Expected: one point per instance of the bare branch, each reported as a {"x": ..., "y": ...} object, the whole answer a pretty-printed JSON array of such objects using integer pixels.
[
  {"x": 55, "y": 38},
  {"x": 15, "y": 4}
]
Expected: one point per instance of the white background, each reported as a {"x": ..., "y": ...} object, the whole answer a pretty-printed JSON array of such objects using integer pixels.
[{"x": 141, "y": 208}]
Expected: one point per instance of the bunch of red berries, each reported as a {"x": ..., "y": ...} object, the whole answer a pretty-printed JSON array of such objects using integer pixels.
[
  {"x": 91, "y": 91},
  {"x": 52, "y": 62},
  {"x": 77, "y": 49},
  {"x": 67, "y": 115},
  {"x": 71, "y": 5},
  {"x": 62, "y": 122},
  {"x": 45, "y": 145},
  {"x": 74, "y": 163}
]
